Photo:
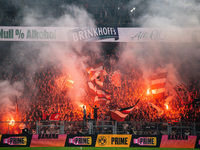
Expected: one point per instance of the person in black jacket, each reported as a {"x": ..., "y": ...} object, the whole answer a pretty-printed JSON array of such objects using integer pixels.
[
  {"x": 25, "y": 131},
  {"x": 84, "y": 114},
  {"x": 95, "y": 108}
]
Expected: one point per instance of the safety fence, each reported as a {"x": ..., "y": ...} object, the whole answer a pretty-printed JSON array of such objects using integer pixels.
[{"x": 102, "y": 127}]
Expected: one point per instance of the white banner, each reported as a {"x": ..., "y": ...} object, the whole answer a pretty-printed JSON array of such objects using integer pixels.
[{"x": 98, "y": 34}]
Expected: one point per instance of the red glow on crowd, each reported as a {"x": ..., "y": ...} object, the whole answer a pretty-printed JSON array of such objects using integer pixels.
[{"x": 64, "y": 82}]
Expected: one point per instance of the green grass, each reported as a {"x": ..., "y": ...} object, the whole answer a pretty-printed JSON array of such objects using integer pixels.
[{"x": 90, "y": 148}]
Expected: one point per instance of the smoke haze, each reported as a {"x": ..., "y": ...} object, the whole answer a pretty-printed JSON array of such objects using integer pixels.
[
  {"x": 71, "y": 59},
  {"x": 183, "y": 58}
]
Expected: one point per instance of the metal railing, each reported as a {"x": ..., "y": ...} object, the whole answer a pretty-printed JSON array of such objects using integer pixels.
[{"x": 103, "y": 127}]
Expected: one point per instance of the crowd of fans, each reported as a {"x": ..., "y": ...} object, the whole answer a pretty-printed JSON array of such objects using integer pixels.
[{"x": 50, "y": 100}]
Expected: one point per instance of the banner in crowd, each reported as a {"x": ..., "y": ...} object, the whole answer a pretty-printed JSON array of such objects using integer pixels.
[
  {"x": 96, "y": 79},
  {"x": 55, "y": 116},
  {"x": 80, "y": 140},
  {"x": 145, "y": 141},
  {"x": 99, "y": 34},
  {"x": 158, "y": 82},
  {"x": 121, "y": 114},
  {"x": 178, "y": 141},
  {"x": 113, "y": 140},
  {"x": 15, "y": 140},
  {"x": 48, "y": 140}
]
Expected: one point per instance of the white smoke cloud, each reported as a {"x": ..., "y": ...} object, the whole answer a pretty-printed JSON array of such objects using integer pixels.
[
  {"x": 172, "y": 16},
  {"x": 71, "y": 58},
  {"x": 180, "y": 13},
  {"x": 8, "y": 95},
  {"x": 72, "y": 16}
]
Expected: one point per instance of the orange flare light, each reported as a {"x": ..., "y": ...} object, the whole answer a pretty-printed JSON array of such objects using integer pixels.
[
  {"x": 82, "y": 106},
  {"x": 12, "y": 122},
  {"x": 71, "y": 81},
  {"x": 63, "y": 83},
  {"x": 148, "y": 91},
  {"x": 167, "y": 107}
]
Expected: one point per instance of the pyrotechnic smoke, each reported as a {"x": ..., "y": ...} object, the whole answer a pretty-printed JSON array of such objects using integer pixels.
[
  {"x": 8, "y": 94},
  {"x": 69, "y": 58},
  {"x": 169, "y": 15},
  {"x": 180, "y": 13}
]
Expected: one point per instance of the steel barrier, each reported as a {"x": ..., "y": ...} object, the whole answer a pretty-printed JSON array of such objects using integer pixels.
[{"x": 101, "y": 127}]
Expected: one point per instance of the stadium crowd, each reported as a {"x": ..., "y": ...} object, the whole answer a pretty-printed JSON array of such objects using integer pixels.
[
  {"x": 49, "y": 100},
  {"x": 133, "y": 87}
]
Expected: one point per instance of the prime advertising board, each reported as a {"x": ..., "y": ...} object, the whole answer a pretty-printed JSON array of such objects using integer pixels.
[
  {"x": 99, "y": 140},
  {"x": 113, "y": 140},
  {"x": 83, "y": 140},
  {"x": 145, "y": 141},
  {"x": 15, "y": 140}
]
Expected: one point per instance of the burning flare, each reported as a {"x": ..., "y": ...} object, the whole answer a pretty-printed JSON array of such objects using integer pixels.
[
  {"x": 12, "y": 122},
  {"x": 148, "y": 91},
  {"x": 63, "y": 82},
  {"x": 167, "y": 107}
]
